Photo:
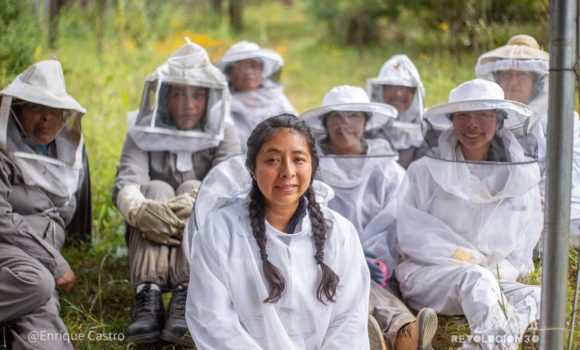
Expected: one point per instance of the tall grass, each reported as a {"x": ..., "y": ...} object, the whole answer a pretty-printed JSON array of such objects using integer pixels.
[{"x": 109, "y": 85}]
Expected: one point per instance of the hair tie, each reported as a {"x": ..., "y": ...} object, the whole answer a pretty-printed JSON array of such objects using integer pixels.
[
  {"x": 264, "y": 256},
  {"x": 319, "y": 257}
]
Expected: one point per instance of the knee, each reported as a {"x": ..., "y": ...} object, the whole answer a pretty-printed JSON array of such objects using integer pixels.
[
  {"x": 158, "y": 190},
  {"x": 37, "y": 284},
  {"x": 478, "y": 277},
  {"x": 46, "y": 285},
  {"x": 188, "y": 186}
]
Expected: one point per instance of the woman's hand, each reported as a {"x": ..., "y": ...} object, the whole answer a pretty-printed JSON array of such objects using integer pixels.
[{"x": 66, "y": 282}]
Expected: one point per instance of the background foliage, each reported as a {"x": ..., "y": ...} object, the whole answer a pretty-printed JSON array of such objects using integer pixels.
[{"x": 108, "y": 47}]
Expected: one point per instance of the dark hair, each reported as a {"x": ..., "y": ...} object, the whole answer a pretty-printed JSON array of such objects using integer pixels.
[{"x": 257, "y": 207}]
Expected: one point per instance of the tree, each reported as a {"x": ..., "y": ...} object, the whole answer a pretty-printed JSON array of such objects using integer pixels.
[
  {"x": 19, "y": 37},
  {"x": 53, "y": 19}
]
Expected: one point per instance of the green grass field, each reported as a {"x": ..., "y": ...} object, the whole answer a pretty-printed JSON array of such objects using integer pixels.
[{"x": 109, "y": 84}]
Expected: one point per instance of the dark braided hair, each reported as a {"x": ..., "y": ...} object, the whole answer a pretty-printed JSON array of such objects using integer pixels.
[{"x": 320, "y": 226}]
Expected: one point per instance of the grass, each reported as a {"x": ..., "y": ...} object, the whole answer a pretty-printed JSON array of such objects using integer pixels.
[{"x": 109, "y": 85}]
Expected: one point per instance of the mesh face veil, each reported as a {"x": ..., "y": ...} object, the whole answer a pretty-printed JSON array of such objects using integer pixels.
[
  {"x": 521, "y": 68},
  {"x": 183, "y": 106},
  {"x": 56, "y": 163},
  {"x": 499, "y": 221},
  {"x": 399, "y": 71}
]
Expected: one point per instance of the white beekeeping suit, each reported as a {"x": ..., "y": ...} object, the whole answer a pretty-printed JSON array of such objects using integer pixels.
[
  {"x": 467, "y": 228},
  {"x": 367, "y": 184},
  {"x": 399, "y": 70},
  {"x": 522, "y": 54},
  {"x": 225, "y": 305},
  {"x": 250, "y": 107}
]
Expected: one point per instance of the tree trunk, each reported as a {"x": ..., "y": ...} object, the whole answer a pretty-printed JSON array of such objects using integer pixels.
[
  {"x": 53, "y": 16},
  {"x": 217, "y": 6},
  {"x": 101, "y": 26},
  {"x": 236, "y": 10}
]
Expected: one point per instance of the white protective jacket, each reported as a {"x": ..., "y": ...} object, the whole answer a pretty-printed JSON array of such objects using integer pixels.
[
  {"x": 366, "y": 190},
  {"x": 225, "y": 308},
  {"x": 491, "y": 211}
]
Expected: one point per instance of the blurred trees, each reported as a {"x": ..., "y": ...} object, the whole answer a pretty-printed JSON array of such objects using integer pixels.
[
  {"x": 20, "y": 36},
  {"x": 467, "y": 22},
  {"x": 235, "y": 10}
]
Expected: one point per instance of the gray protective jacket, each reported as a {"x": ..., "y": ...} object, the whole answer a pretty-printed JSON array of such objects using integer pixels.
[
  {"x": 139, "y": 167},
  {"x": 33, "y": 219}
]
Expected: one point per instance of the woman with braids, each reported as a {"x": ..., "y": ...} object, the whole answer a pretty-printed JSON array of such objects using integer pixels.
[{"x": 275, "y": 268}]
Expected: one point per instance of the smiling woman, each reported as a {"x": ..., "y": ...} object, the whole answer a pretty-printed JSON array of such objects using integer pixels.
[
  {"x": 283, "y": 173},
  {"x": 302, "y": 246},
  {"x": 469, "y": 264}
]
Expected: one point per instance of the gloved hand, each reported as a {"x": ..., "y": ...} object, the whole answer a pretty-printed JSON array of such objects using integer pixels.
[
  {"x": 462, "y": 255},
  {"x": 158, "y": 223},
  {"x": 377, "y": 273},
  {"x": 182, "y": 205}
]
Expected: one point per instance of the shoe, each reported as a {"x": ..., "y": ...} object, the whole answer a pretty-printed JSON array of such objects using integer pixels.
[
  {"x": 147, "y": 317},
  {"x": 176, "y": 330},
  {"x": 531, "y": 338},
  {"x": 376, "y": 338},
  {"x": 418, "y": 334}
]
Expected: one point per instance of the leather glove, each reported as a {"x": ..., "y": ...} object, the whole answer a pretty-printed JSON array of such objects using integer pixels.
[
  {"x": 182, "y": 205},
  {"x": 158, "y": 223},
  {"x": 462, "y": 255}
]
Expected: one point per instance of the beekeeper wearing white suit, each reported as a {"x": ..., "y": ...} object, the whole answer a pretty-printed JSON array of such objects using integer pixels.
[
  {"x": 521, "y": 68},
  {"x": 366, "y": 179},
  {"x": 399, "y": 85},
  {"x": 253, "y": 73},
  {"x": 272, "y": 267},
  {"x": 471, "y": 217},
  {"x": 177, "y": 136},
  {"x": 41, "y": 167}
]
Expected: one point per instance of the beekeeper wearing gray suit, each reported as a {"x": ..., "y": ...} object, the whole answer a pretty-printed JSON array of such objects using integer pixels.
[
  {"x": 177, "y": 136},
  {"x": 41, "y": 167}
]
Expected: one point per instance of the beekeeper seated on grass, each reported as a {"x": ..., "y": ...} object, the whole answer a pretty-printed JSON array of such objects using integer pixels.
[
  {"x": 272, "y": 267},
  {"x": 366, "y": 179},
  {"x": 399, "y": 84},
  {"x": 520, "y": 67},
  {"x": 252, "y": 73},
  {"x": 41, "y": 167},
  {"x": 178, "y": 136},
  {"x": 471, "y": 217}
]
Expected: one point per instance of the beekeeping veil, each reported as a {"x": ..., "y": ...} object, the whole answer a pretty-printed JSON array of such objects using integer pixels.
[
  {"x": 154, "y": 129},
  {"x": 489, "y": 208},
  {"x": 399, "y": 71},
  {"x": 521, "y": 53},
  {"x": 43, "y": 84},
  {"x": 272, "y": 62},
  {"x": 366, "y": 184}
]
